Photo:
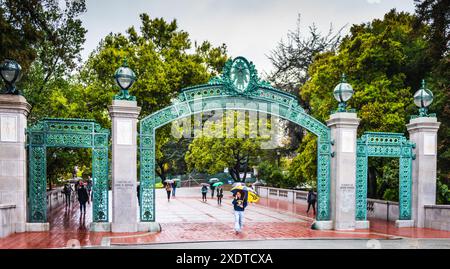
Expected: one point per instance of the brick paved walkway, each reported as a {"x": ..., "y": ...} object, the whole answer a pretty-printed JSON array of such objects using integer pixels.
[{"x": 185, "y": 218}]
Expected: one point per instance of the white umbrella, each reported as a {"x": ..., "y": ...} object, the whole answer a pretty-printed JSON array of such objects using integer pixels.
[
  {"x": 214, "y": 179},
  {"x": 168, "y": 181}
]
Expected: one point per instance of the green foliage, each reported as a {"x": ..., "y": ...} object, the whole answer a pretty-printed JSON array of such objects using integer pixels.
[
  {"x": 443, "y": 192},
  {"x": 384, "y": 61},
  {"x": 273, "y": 176},
  {"x": 44, "y": 31},
  {"x": 387, "y": 179},
  {"x": 216, "y": 148},
  {"x": 161, "y": 57},
  {"x": 436, "y": 15},
  {"x": 303, "y": 168},
  {"x": 69, "y": 158}
]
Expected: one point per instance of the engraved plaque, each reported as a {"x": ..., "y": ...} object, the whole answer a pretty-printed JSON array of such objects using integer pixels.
[
  {"x": 348, "y": 141},
  {"x": 8, "y": 130},
  {"x": 429, "y": 144},
  {"x": 124, "y": 132}
]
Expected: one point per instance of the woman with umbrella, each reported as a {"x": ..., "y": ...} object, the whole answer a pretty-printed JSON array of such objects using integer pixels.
[
  {"x": 239, "y": 204},
  {"x": 212, "y": 187},
  {"x": 218, "y": 185},
  {"x": 242, "y": 195}
]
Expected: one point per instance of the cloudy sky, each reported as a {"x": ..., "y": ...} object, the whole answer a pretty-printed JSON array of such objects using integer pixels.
[{"x": 250, "y": 28}]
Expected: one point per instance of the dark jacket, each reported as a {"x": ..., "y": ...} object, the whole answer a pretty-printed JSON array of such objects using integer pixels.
[
  {"x": 312, "y": 197},
  {"x": 220, "y": 192},
  {"x": 83, "y": 196},
  {"x": 239, "y": 204}
]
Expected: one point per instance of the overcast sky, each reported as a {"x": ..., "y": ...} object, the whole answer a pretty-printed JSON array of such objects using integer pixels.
[{"x": 249, "y": 28}]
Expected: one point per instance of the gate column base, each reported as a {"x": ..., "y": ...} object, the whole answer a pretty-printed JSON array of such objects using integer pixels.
[
  {"x": 404, "y": 223},
  {"x": 124, "y": 227},
  {"x": 37, "y": 227},
  {"x": 149, "y": 227},
  {"x": 100, "y": 227},
  {"x": 362, "y": 225},
  {"x": 322, "y": 225}
]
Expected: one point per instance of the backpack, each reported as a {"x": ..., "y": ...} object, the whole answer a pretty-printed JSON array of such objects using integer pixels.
[
  {"x": 204, "y": 189},
  {"x": 312, "y": 196}
]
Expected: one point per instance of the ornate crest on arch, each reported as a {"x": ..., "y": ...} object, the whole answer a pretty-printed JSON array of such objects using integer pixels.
[{"x": 238, "y": 76}]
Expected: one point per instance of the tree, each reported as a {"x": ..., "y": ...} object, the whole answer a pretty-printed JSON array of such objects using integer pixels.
[
  {"x": 436, "y": 15},
  {"x": 235, "y": 147},
  {"x": 291, "y": 60},
  {"x": 161, "y": 56},
  {"x": 383, "y": 62},
  {"x": 45, "y": 39}
]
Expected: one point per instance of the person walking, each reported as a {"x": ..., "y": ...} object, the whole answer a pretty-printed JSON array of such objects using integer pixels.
[
  {"x": 212, "y": 191},
  {"x": 82, "y": 198},
  {"x": 67, "y": 191},
  {"x": 168, "y": 190},
  {"x": 311, "y": 198},
  {"x": 204, "y": 192},
  {"x": 219, "y": 195},
  {"x": 174, "y": 188},
  {"x": 239, "y": 203},
  {"x": 89, "y": 190}
]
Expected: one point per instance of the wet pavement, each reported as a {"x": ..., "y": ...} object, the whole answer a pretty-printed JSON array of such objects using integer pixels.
[{"x": 187, "y": 219}]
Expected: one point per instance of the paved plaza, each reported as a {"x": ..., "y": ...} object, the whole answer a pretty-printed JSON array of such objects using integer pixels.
[{"x": 187, "y": 222}]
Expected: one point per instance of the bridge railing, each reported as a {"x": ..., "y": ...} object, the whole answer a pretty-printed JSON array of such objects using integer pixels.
[
  {"x": 377, "y": 209},
  {"x": 55, "y": 198},
  {"x": 293, "y": 196}
]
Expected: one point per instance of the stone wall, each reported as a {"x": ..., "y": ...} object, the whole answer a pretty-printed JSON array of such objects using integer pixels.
[
  {"x": 437, "y": 217},
  {"x": 7, "y": 226},
  {"x": 380, "y": 209}
]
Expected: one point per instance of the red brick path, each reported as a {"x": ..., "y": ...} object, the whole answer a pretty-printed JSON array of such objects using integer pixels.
[{"x": 66, "y": 226}]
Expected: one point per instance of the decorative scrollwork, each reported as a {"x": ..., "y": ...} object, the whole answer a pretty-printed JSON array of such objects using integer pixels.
[
  {"x": 221, "y": 93},
  {"x": 73, "y": 133},
  {"x": 391, "y": 145}
]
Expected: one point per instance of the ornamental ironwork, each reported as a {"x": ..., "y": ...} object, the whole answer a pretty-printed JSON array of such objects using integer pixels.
[
  {"x": 69, "y": 133},
  {"x": 237, "y": 86},
  {"x": 391, "y": 145}
]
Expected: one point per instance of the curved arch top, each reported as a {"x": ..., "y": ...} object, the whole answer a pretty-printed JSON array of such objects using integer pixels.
[
  {"x": 237, "y": 88},
  {"x": 239, "y": 81}
]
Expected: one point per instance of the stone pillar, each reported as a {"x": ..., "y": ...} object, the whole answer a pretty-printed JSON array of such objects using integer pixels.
[
  {"x": 124, "y": 116},
  {"x": 423, "y": 132},
  {"x": 344, "y": 127},
  {"x": 14, "y": 110}
]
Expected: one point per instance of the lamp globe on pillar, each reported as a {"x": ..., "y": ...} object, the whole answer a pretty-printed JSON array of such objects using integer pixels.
[
  {"x": 423, "y": 99},
  {"x": 124, "y": 78},
  {"x": 10, "y": 71},
  {"x": 342, "y": 93}
]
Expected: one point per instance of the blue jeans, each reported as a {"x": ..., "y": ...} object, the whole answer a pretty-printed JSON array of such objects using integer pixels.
[{"x": 238, "y": 220}]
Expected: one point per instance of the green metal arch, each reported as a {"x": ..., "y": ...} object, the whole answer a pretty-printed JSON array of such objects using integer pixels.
[
  {"x": 221, "y": 94},
  {"x": 69, "y": 133}
]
